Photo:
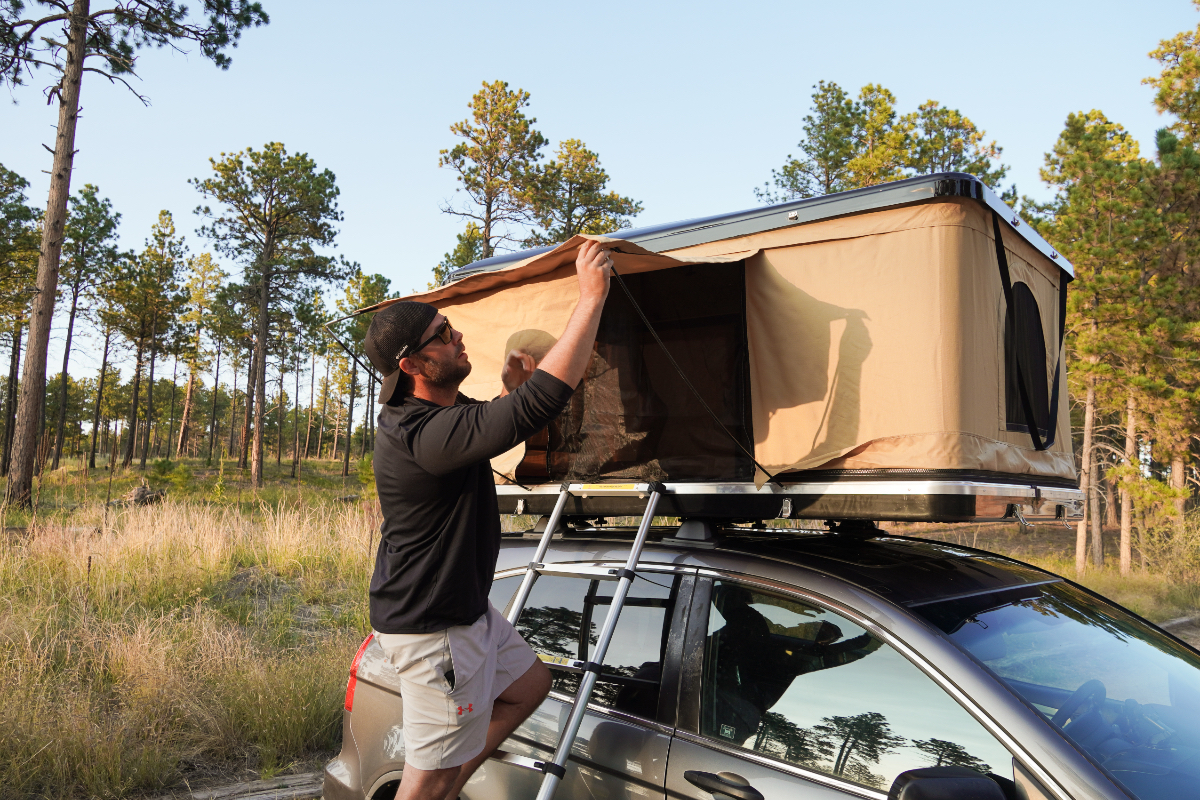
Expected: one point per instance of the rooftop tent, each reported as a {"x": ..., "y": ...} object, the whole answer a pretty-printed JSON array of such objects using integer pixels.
[{"x": 872, "y": 335}]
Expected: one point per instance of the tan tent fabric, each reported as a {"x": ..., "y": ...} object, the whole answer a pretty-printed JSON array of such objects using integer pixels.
[
  {"x": 880, "y": 344},
  {"x": 526, "y": 307},
  {"x": 876, "y": 340}
]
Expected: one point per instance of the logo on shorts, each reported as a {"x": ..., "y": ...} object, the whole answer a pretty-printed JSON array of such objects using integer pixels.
[{"x": 469, "y": 709}]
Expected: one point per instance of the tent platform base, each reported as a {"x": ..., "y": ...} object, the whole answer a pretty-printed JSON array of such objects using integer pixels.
[{"x": 898, "y": 500}]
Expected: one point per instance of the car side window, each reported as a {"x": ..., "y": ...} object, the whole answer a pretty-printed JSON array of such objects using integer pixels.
[
  {"x": 562, "y": 621},
  {"x": 799, "y": 683},
  {"x": 502, "y": 591}
]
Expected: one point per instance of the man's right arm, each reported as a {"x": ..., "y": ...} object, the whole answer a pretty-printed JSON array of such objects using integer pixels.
[{"x": 467, "y": 434}]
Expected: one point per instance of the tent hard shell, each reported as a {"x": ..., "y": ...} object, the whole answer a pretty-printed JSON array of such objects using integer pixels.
[{"x": 872, "y": 354}]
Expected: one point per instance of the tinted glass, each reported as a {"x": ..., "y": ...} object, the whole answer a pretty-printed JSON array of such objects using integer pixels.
[
  {"x": 799, "y": 683},
  {"x": 502, "y": 592},
  {"x": 1119, "y": 688},
  {"x": 563, "y": 619}
]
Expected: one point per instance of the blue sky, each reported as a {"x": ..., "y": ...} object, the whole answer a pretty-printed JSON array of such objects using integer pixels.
[{"x": 689, "y": 105}]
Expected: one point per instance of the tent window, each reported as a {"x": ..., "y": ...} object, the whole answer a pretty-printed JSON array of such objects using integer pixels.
[
  {"x": 1025, "y": 346},
  {"x": 633, "y": 416}
]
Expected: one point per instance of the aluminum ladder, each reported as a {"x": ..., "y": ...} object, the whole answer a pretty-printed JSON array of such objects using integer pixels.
[{"x": 555, "y": 770}]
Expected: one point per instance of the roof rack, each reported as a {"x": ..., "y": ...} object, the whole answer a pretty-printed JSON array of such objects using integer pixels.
[{"x": 911, "y": 497}]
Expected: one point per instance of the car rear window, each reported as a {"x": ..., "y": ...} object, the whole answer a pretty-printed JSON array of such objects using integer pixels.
[{"x": 562, "y": 620}]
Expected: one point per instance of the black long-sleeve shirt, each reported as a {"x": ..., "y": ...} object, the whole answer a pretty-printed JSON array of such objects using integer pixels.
[{"x": 441, "y": 520}]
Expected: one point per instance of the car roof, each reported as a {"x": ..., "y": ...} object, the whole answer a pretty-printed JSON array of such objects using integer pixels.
[
  {"x": 903, "y": 570},
  {"x": 906, "y": 571}
]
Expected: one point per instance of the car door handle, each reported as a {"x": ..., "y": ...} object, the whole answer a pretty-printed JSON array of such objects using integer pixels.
[{"x": 726, "y": 783}]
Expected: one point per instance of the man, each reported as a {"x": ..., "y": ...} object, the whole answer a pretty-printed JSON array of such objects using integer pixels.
[{"x": 467, "y": 677}]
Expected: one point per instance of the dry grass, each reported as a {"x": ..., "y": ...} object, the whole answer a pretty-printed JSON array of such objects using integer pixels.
[{"x": 165, "y": 644}]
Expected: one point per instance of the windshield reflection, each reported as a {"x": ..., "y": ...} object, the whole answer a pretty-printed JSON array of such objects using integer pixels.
[{"x": 1118, "y": 688}]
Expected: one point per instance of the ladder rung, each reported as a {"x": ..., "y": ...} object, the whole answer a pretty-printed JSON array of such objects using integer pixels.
[
  {"x": 570, "y": 664},
  {"x": 570, "y": 571},
  {"x": 611, "y": 489}
]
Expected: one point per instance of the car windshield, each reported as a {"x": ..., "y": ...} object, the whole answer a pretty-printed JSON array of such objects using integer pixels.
[{"x": 1118, "y": 688}]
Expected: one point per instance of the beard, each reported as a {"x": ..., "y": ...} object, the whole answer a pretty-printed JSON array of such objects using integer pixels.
[{"x": 444, "y": 374}]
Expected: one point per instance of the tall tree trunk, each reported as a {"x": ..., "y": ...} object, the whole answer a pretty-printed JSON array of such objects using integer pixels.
[
  {"x": 1096, "y": 519},
  {"x": 212, "y": 417},
  {"x": 362, "y": 450},
  {"x": 1179, "y": 483},
  {"x": 233, "y": 406},
  {"x": 324, "y": 405},
  {"x": 337, "y": 431},
  {"x": 33, "y": 381},
  {"x": 62, "y": 397},
  {"x": 296, "y": 421},
  {"x": 260, "y": 354},
  {"x": 1085, "y": 475},
  {"x": 99, "y": 398},
  {"x": 185, "y": 415},
  {"x": 312, "y": 377},
  {"x": 1110, "y": 503},
  {"x": 171, "y": 416},
  {"x": 350, "y": 417},
  {"x": 10, "y": 395},
  {"x": 251, "y": 376},
  {"x": 279, "y": 420},
  {"x": 132, "y": 427},
  {"x": 1126, "y": 557},
  {"x": 150, "y": 390}
]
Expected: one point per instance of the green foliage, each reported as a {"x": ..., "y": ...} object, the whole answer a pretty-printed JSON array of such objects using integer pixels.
[
  {"x": 468, "y": 250},
  {"x": 852, "y": 143},
  {"x": 571, "y": 196},
  {"x": 496, "y": 163},
  {"x": 827, "y": 149},
  {"x": 366, "y": 474},
  {"x": 943, "y": 140},
  {"x": 219, "y": 490},
  {"x": 116, "y": 33},
  {"x": 19, "y": 241}
]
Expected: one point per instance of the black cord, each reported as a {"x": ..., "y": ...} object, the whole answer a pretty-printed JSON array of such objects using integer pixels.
[
  {"x": 514, "y": 480},
  {"x": 678, "y": 369}
]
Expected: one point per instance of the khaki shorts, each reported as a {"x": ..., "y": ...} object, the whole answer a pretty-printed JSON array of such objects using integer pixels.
[{"x": 445, "y": 723}]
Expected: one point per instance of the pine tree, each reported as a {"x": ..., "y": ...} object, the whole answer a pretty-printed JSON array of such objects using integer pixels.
[
  {"x": 204, "y": 282},
  {"x": 496, "y": 164},
  {"x": 1095, "y": 167},
  {"x": 571, "y": 196},
  {"x": 827, "y": 148},
  {"x": 277, "y": 210}
]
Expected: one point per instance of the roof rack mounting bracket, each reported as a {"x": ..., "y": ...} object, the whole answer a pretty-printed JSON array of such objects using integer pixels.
[{"x": 854, "y": 529}]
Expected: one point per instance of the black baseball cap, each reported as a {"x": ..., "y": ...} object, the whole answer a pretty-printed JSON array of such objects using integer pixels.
[{"x": 394, "y": 331}]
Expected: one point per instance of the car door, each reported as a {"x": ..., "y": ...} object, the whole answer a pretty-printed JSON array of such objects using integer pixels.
[
  {"x": 623, "y": 743},
  {"x": 790, "y": 699}
]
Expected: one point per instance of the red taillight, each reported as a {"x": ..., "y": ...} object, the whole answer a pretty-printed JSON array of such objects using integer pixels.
[{"x": 354, "y": 673}]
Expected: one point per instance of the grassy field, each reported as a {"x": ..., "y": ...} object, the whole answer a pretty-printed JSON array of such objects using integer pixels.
[
  {"x": 144, "y": 648},
  {"x": 205, "y": 640}
]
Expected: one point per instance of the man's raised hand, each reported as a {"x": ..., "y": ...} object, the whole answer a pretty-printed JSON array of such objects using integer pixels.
[{"x": 592, "y": 266}]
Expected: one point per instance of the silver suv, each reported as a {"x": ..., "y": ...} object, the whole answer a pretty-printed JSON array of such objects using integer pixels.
[{"x": 768, "y": 664}]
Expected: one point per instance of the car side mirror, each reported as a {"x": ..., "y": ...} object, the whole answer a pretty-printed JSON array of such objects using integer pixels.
[{"x": 944, "y": 783}]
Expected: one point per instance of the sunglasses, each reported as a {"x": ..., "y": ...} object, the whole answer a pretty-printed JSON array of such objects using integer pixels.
[{"x": 443, "y": 332}]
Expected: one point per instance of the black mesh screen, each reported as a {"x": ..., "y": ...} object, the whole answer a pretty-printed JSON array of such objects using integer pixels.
[
  {"x": 1027, "y": 346},
  {"x": 633, "y": 417}
]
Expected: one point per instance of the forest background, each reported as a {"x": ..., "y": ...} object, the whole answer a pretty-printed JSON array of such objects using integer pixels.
[{"x": 218, "y": 384}]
